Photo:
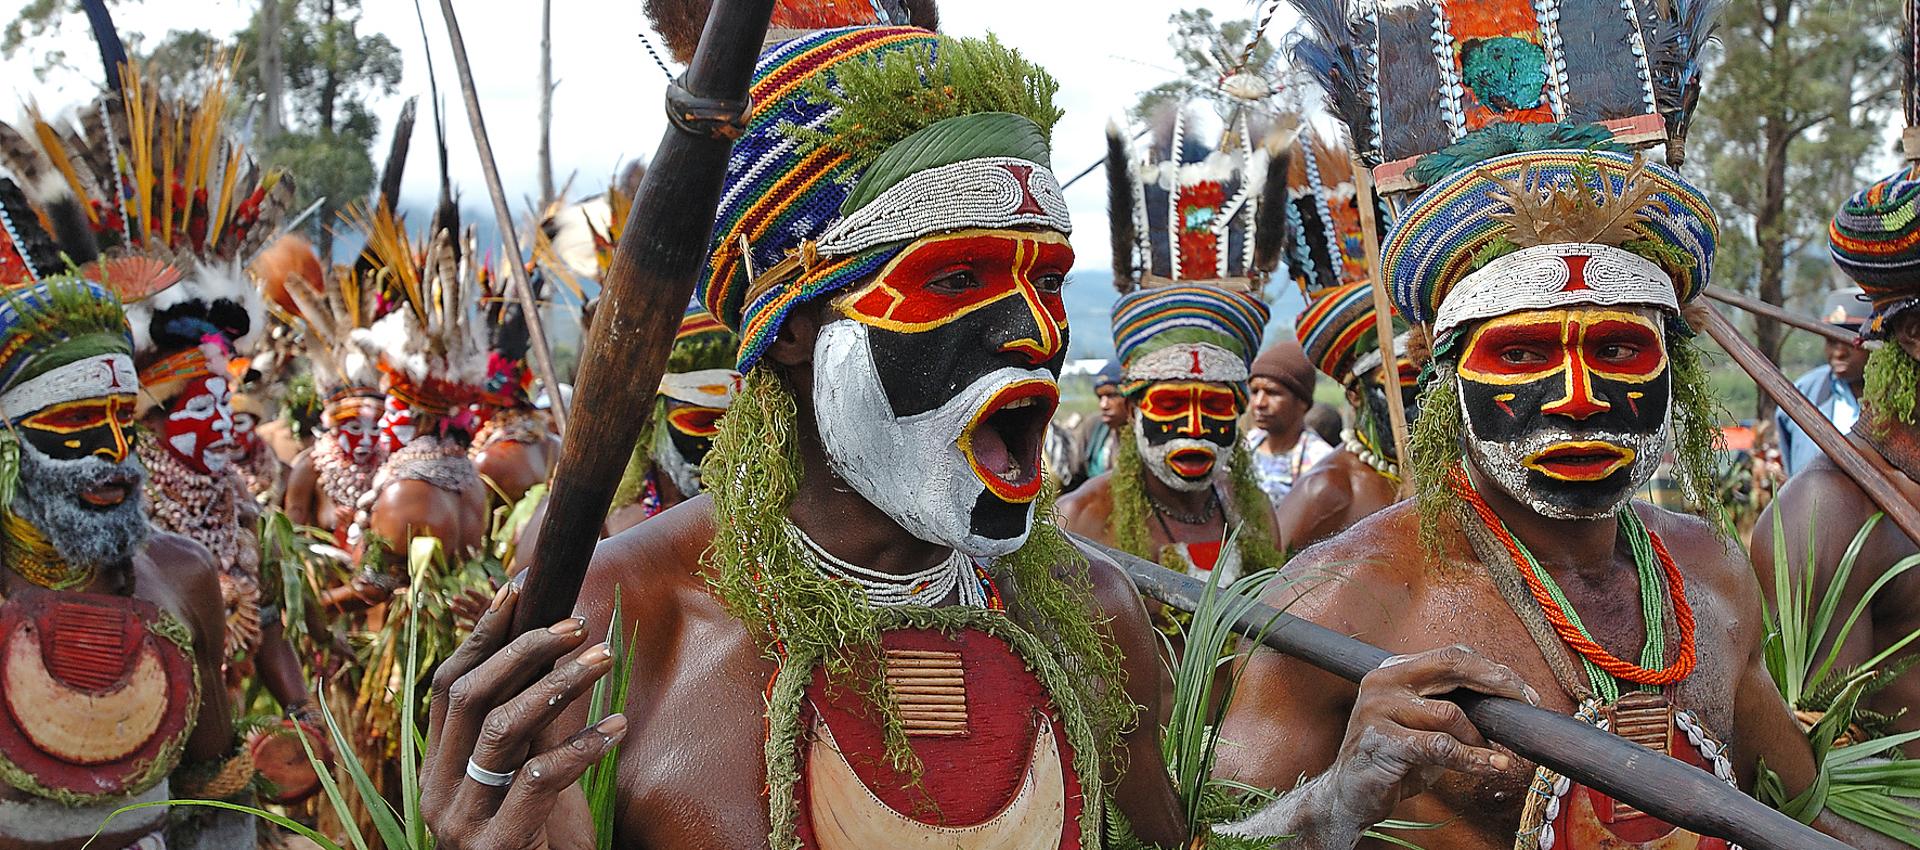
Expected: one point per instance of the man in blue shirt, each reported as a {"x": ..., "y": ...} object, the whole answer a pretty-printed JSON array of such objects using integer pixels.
[{"x": 1834, "y": 388}]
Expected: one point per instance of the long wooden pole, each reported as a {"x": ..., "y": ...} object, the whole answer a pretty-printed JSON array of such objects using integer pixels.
[
  {"x": 1382, "y": 318},
  {"x": 1836, "y": 446},
  {"x": 1786, "y": 317},
  {"x": 1669, "y": 789},
  {"x": 516, "y": 270},
  {"x": 647, "y": 287}
]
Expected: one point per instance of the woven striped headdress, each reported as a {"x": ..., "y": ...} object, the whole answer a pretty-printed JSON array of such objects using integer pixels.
[
  {"x": 1338, "y": 328},
  {"x": 1875, "y": 239},
  {"x": 1548, "y": 229},
  {"x": 833, "y": 177},
  {"x": 62, "y": 339},
  {"x": 1187, "y": 331}
]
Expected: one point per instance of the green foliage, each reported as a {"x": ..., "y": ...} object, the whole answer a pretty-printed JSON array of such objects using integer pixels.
[
  {"x": 1204, "y": 46},
  {"x": 887, "y": 98},
  {"x": 1867, "y": 781},
  {"x": 1435, "y": 446},
  {"x": 602, "y": 781},
  {"x": 1892, "y": 379},
  {"x": 1695, "y": 417}
]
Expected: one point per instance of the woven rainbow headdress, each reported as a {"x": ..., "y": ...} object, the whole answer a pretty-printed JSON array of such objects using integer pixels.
[
  {"x": 1875, "y": 239},
  {"x": 861, "y": 141},
  {"x": 1186, "y": 332},
  {"x": 1546, "y": 229},
  {"x": 1190, "y": 209},
  {"x": 1338, "y": 333}
]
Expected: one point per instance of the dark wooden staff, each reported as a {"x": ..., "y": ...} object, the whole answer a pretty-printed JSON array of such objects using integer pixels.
[
  {"x": 643, "y": 297},
  {"x": 1794, "y": 320},
  {"x": 1836, "y": 446},
  {"x": 1667, "y": 788}
]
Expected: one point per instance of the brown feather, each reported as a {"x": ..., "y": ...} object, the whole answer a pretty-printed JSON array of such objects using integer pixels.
[{"x": 1120, "y": 203}]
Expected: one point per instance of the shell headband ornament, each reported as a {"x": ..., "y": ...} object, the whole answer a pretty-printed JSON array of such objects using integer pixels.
[{"x": 1545, "y": 229}]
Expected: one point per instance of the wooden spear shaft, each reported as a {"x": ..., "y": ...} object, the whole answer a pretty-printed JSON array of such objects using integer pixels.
[
  {"x": 1761, "y": 308},
  {"x": 1667, "y": 788},
  {"x": 516, "y": 271},
  {"x": 1836, "y": 446},
  {"x": 648, "y": 284},
  {"x": 1382, "y": 318}
]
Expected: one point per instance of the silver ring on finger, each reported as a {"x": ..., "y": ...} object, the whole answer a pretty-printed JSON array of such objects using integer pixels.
[{"x": 489, "y": 778}]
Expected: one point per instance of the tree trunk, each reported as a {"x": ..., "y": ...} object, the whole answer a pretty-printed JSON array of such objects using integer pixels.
[
  {"x": 546, "y": 103},
  {"x": 329, "y": 93},
  {"x": 1770, "y": 236},
  {"x": 272, "y": 72}
]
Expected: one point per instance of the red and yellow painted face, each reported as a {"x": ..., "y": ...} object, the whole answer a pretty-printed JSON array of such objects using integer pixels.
[
  {"x": 1568, "y": 406},
  {"x": 1184, "y": 426},
  {"x": 88, "y": 427}
]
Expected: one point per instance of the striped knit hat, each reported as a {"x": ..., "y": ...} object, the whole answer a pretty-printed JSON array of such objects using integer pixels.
[
  {"x": 1534, "y": 230},
  {"x": 833, "y": 177},
  {"x": 1186, "y": 331},
  {"x": 1876, "y": 240},
  {"x": 1338, "y": 326}
]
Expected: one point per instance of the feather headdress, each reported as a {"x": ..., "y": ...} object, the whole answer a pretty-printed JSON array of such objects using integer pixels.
[
  {"x": 1632, "y": 67},
  {"x": 1190, "y": 210},
  {"x": 431, "y": 345}
]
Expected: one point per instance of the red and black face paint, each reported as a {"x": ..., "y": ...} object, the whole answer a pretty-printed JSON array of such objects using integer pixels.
[
  {"x": 1567, "y": 409},
  {"x": 1406, "y": 378},
  {"x": 945, "y": 364}
]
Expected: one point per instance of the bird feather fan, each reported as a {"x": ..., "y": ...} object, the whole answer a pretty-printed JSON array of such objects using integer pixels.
[{"x": 1270, "y": 219}]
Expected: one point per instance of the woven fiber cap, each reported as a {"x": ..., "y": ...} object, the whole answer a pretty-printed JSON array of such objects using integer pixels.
[
  {"x": 862, "y": 140},
  {"x": 1190, "y": 331},
  {"x": 1337, "y": 326},
  {"x": 1468, "y": 221},
  {"x": 1875, "y": 238},
  {"x": 61, "y": 339}
]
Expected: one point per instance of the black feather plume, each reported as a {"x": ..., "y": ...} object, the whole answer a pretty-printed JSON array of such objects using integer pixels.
[
  {"x": 396, "y": 165},
  {"x": 1120, "y": 204},
  {"x": 1270, "y": 223},
  {"x": 113, "y": 54},
  {"x": 1333, "y": 52},
  {"x": 34, "y": 244}
]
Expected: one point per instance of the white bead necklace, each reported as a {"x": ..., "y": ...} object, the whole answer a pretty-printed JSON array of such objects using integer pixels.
[
  {"x": 1359, "y": 448},
  {"x": 926, "y": 588}
]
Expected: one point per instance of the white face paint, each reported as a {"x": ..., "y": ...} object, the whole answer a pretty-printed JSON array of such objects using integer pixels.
[
  {"x": 200, "y": 428},
  {"x": 684, "y": 474},
  {"x": 912, "y": 468}
]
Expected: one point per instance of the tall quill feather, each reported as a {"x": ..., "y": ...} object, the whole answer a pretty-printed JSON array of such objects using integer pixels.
[{"x": 1120, "y": 203}]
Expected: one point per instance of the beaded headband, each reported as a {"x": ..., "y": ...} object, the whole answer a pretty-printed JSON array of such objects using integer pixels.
[{"x": 1187, "y": 332}]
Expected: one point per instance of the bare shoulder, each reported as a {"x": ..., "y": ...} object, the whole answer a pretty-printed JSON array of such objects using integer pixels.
[
  {"x": 302, "y": 465},
  {"x": 1709, "y": 559},
  {"x": 1356, "y": 580},
  {"x": 1084, "y": 511},
  {"x": 179, "y": 574},
  {"x": 655, "y": 571},
  {"x": 1113, "y": 590}
]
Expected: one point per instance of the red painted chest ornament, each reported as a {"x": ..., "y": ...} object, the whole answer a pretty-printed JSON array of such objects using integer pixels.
[
  {"x": 93, "y": 703},
  {"x": 997, "y": 767}
]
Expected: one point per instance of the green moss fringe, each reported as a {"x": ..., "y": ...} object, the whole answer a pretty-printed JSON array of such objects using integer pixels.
[
  {"x": 796, "y": 671},
  {"x": 1436, "y": 447},
  {"x": 1892, "y": 376},
  {"x": 885, "y": 99},
  {"x": 765, "y": 580}
]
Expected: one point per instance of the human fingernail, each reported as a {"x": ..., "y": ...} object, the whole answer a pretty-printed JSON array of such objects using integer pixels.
[
  {"x": 1533, "y": 696},
  {"x": 569, "y": 626},
  {"x": 500, "y": 596},
  {"x": 1501, "y": 761},
  {"x": 613, "y": 725},
  {"x": 595, "y": 656}
]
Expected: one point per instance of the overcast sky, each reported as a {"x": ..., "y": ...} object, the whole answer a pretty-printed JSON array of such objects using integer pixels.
[{"x": 608, "y": 105}]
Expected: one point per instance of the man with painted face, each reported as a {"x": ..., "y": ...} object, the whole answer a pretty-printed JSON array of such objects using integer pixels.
[
  {"x": 864, "y": 625},
  {"x": 1182, "y": 481},
  {"x": 1523, "y": 567},
  {"x": 259, "y": 467},
  {"x": 1185, "y": 329},
  {"x": 111, "y": 631},
  {"x": 434, "y": 366},
  {"x": 1821, "y": 509}
]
